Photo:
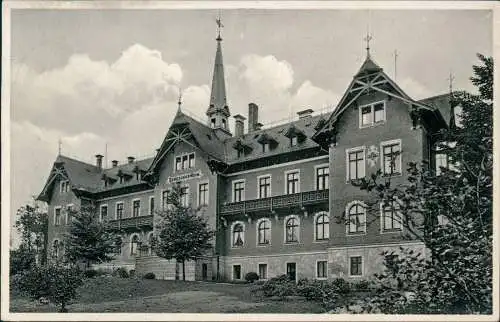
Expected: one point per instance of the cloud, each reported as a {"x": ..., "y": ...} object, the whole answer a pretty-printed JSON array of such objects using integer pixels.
[
  {"x": 266, "y": 73},
  {"x": 415, "y": 89}
]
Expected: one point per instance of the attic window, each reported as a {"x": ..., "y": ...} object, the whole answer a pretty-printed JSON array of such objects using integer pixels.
[
  {"x": 212, "y": 123},
  {"x": 64, "y": 188},
  {"x": 265, "y": 147},
  {"x": 224, "y": 126},
  {"x": 294, "y": 141},
  {"x": 372, "y": 114}
]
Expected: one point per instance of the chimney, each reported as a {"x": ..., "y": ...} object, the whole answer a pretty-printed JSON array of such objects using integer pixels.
[
  {"x": 98, "y": 161},
  {"x": 239, "y": 125},
  {"x": 114, "y": 163},
  {"x": 305, "y": 113},
  {"x": 253, "y": 116},
  {"x": 130, "y": 160},
  {"x": 258, "y": 126}
]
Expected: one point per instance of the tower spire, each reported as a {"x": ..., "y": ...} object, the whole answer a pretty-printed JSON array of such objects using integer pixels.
[{"x": 218, "y": 111}]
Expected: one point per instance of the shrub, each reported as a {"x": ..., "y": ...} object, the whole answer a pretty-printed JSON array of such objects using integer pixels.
[
  {"x": 149, "y": 276},
  {"x": 54, "y": 281},
  {"x": 362, "y": 285},
  {"x": 278, "y": 286},
  {"x": 251, "y": 277},
  {"x": 121, "y": 272},
  {"x": 324, "y": 292},
  {"x": 341, "y": 285},
  {"x": 90, "y": 273},
  {"x": 131, "y": 273}
]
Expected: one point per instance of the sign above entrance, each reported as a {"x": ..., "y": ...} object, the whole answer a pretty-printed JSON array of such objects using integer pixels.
[{"x": 184, "y": 177}]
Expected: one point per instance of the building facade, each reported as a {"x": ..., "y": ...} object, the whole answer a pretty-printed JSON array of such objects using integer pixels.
[{"x": 280, "y": 198}]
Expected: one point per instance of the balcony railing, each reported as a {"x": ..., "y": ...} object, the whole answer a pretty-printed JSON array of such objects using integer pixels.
[
  {"x": 268, "y": 204},
  {"x": 131, "y": 222}
]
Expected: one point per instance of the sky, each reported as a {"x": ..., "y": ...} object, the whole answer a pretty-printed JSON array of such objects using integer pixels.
[{"x": 92, "y": 78}]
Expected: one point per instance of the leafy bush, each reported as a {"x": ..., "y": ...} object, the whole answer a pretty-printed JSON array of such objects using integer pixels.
[
  {"x": 90, "y": 273},
  {"x": 251, "y": 277},
  {"x": 341, "y": 285},
  {"x": 121, "y": 272},
  {"x": 362, "y": 285},
  {"x": 149, "y": 276},
  {"x": 21, "y": 260},
  {"x": 280, "y": 286},
  {"x": 131, "y": 273},
  {"x": 54, "y": 281}
]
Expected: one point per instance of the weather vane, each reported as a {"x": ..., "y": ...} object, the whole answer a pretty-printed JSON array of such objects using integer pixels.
[
  {"x": 59, "y": 145},
  {"x": 179, "y": 102},
  {"x": 368, "y": 38},
  {"x": 451, "y": 78},
  {"x": 219, "y": 26}
]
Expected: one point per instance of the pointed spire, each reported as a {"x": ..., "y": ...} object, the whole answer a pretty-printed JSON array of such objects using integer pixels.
[
  {"x": 218, "y": 94},
  {"x": 59, "y": 146},
  {"x": 369, "y": 66}
]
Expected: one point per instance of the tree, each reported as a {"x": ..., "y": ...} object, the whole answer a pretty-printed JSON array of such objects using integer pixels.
[
  {"x": 54, "y": 281},
  {"x": 88, "y": 239},
  {"x": 451, "y": 213},
  {"x": 183, "y": 232},
  {"x": 32, "y": 224}
]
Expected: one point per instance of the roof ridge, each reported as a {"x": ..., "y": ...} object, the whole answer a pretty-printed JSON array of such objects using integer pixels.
[{"x": 74, "y": 160}]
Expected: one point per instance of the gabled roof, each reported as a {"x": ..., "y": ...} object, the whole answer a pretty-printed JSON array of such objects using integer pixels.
[
  {"x": 440, "y": 102},
  {"x": 183, "y": 128}
]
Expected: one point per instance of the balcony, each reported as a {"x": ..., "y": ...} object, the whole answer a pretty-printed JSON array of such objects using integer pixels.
[
  {"x": 268, "y": 204},
  {"x": 131, "y": 222}
]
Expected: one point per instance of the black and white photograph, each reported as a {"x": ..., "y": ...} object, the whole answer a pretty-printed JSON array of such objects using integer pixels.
[{"x": 162, "y": 160}]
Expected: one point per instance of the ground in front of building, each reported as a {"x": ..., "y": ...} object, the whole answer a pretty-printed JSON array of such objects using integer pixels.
[{"x": 112, "y": 294}]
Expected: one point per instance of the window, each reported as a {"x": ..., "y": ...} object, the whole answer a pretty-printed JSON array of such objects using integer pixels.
[
  {"x": 57, "y": 248},
  {"x": 184, "y": 162},
  {"x": 262, "y": 271},
  {"x": 238, "y": 235},
  {"x": 184, "y": 197},
  {"x": 191, "y": 160},
  {"x": 355, "y": 163},
  {"x": 321, "y": 269},
  {"x": 178, "y": 163},
  {"x": 372, "y": 114},
  {"x": 104, "y": 213},
  {"x": 292, "y": 182},
  {"x": 57, "y": 216},
  {"x": 164, "y": 199},
  {"x": 264, "y": 187},
  {"x": 356, "y": 266},
  {"x": 322, "y": 227},
  {"x": 203, "y": 194},
  {"x": 151, "y": 205},
  {"x": 236, "y": 272},
  {"x": 238, "y": 191},
  {"x": 212, "y": 122},
  {"x": 356, "y": 214},
  {"x": 322, "y": 176},
  {"x": 293, "y": 141},
  {"x": 265, "y": 147},
  {"x": 224, "y": 124},
  {"x": 441, "y": 161},
  {"x": 134, "y": 242},
  {"x": 291, "y": 271},
  {"x": 391, "y": 217},
  {"x": 136, "y": 208},
  {"x": 69, "y": 213},
  {"x": 391, "y": 157},
  {"x": 64, "y": 188},
  {"x": 292, "y": 230},
  {"x": 119, "y": 210},
  {"x": 264, "y": 232}
]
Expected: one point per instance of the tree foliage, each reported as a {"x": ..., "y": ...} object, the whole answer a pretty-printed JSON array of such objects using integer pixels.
[
  {"x": 451, "y": 213},
  {"x": 183, "y": 232},
  {"x": 88, "y": 239},
  {"x": 32, "y": 224}
]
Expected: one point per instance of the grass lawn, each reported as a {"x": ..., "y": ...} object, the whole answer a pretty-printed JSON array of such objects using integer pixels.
[{"x": 113, "y": 294}]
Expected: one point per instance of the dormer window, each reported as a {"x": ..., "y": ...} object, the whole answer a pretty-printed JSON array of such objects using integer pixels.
[
  {"x": 372, "y": 114},
  {"x": 224, "y": 125},
  {"x": 293, "y": 141},
  {"x": 212, "y": 123},
  {"x": 265, "y": 147}
]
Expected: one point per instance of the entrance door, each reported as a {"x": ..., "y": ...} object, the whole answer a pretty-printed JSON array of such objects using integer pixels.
[
  {"x": 204, "y": 271},
  {"x": 291, "y": 271}
]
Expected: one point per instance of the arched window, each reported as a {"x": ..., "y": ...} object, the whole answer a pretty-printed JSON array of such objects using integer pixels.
[
  {"x": 356, "y": 214},
  {"x": 134, "y": 242},
  {"x": 238, "y": 235},
  {"x": 292, "y": 230},
  {"x": 264, "y": 232},
  {"x": 322, "y": 226}
]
